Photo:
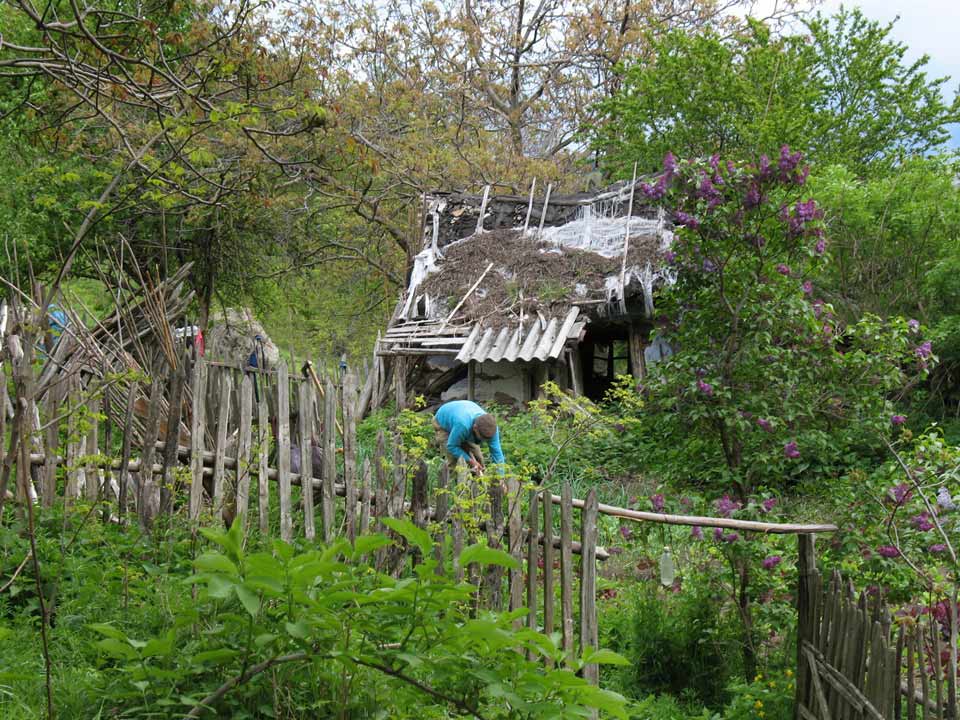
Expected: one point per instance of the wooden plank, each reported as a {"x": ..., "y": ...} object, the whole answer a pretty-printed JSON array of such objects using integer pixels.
[
  {"x": 177, "y": 380},
  {"x": 72, "y": 489},
  {"x": 148, "y": 497},
  {"x": 51, "y": 440},
  {"x": 327, "y": 507},
  {"x": 937, "y": 667},
  {"x": 349, "y": 405},
  {"x": 515, "y": 539},
  {"x": 589, "y": 631},
  {"x": 824, "y": 708},
  {"x": 224, "y": 402},
  {"x": 533, "y": 533},
  {"x": 108, "y": 483},
  {"x": 548, "y": 559},
  {"x": 903, "y": 640},
  {"x": 638, "y": 366},
  {"x": 806, "y": 622},
  {"x": 418, "y": 499},
  {"x": 494, "y": 528},
  {"x": 457, "y": 532},
  {"x": 566, "y": 569},
  {"x": 924, "y": 681},
  {"x": 380, "y": 471},
  {"x": 244, "y": 443},
  {"x": 366, "y": 473},
  {"x": 441, "y": 504},
  {"x": 263, "y": 457},
  {"x": 400, "y": 381},
  {"x": 198, "y": 426},
  {"x": 125, "y": 451},
  {"x": 283, "y": 452},
  {"x": 305, "y": 417}
]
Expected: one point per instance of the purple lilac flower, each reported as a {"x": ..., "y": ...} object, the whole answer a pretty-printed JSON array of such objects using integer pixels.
[
  {"x": 937, "y": 548},
  {"x": 718, "y": 534},
  {"x": 820, "y": 246},
  {"x": 888, "y": 551},
  {"x": 788, "y": 162},
  {"x": 791, "y": 451},
  {"x": 709, "y": 266},
  {"x": 625, "y": 532},
  {"x": 771, "y": 561},
  {"x": 696, "y": 532},
  {"x": 726, "y": 506},
  {"x": 769, "y": 504},
  {"x": 764, "y": 166},
  {"x": 752, "y": 198},
  {"x": 783, "y": 269},
  {"x": 614, "y": 550},
  {"x": 923, "y": 351},
  {"x": 914, "y": 325},
  {"x": 897, "y": 420},
  {"x": 801, "y": 177},
  {"x": 657, "y": 502},
  {"x": 715, "y": 162},
  {"x": 807, "y": 288},
  {"x": 900, "y": 493},
  {"x": 686, "y": 220},
  {"x": 731, "y": 167},
  {"x": 670, "y": 256},
  {"x": 817, "y": 308},
  {"x": 922, "y": 522},
  {"x": 732, "y": 537},
  {"x": 765, "y": 424},
  {"x": 669, "y": 163},
  {"x": 705, "y": 387},
  {"x": 944, "y": 500}
]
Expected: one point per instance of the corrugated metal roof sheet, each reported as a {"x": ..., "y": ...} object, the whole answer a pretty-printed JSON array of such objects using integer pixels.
[{"x": 538, "y": 339}]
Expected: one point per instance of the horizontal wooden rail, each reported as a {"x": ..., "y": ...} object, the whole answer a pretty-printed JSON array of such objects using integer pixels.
[{"x": 731, "y": 523}]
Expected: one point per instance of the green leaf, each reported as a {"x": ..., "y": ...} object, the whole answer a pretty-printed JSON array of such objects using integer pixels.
[
  {"x": 116, "y": 649},
  {"x": 411, "y": 533},
  {"x": 219, "y": 588},
  {"x": 216, "y": 563},
  {"x": 369, "y": 543},
  {"x": 299, "y": 629},
  {"x": 108, "y": 630},
  {"x": 216, "y": 657},
  {"x": 603, "y": 657},
  {"x": 249, "y": 599},
  {"x": 487, "y": 556}
]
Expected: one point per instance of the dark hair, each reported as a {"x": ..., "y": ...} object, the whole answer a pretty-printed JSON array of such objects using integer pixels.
[{"x": 485, "y": 426}]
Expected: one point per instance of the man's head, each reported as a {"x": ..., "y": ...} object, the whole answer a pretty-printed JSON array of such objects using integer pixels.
[{"x": 485, "y": 426}]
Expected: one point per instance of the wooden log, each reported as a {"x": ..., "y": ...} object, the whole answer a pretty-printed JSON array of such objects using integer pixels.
[
  {"x": 902, "y": 640},
  {"x": 638, "y": 366},
  {"x": 589, "y": 631},
  {"x": 244, "y": 444},
  {"x": 441, "y": 504},
  {"x": 457, "y": 532},
  {"x": 566, "y": 569},
  {"x": 533, "y": 534},
  {"x": 349, "y": 405},
  {"x": 922, "y": 668},
  {"x": 72, "y": 488},
  {"x": 283, "y": 453},
  {"x": 263, "y": 456},
  {"x": 92, "y": 476},
  {"x": 806, "y": 568},
  {"x": 125, "y": 451},
  {"x": 937, "y": 667},
  {"x": 48, "y": 491},
  {"x": 327, "y": 508},
  {"x": 548, "y": 560},
  {"x": 305, "y": 417},
  {"x": 400, "y": 381},
  {"x": 223, "y": 427},
  {"x": 148, "y": 495}
]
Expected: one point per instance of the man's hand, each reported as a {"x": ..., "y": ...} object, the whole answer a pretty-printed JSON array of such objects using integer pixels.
[{"x": 476, "y": 467}]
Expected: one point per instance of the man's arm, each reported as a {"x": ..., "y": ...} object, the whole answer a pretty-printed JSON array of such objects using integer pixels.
[
  {"x": 496, "y": 452},
  {"x": 455, "y": 441}
]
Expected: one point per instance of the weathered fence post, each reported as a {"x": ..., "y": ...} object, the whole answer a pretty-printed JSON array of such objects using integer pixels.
[
  {"x": 263, "y": 457},
  {"x": 92, "y": 484},
  {"x": 328, "y": 509},
  {"x": 349, "y": 404},
  {"x": 125, "y": 451},
  {"x": 223, "y": 426},
  {"x": 806, "y": 622},
  {"x": 244, "y": 442},
  {"x": 51, "y": 440},
  {"x": 589, "y": 635},
  {"x": 147, "y": 499},
  {"x": 306, "y": 458},
  {"x": 548, "y": 558},
  {"x": 566, "y": 568},
  {"x": 533, "y": 538},
  {"x": 178, "y": 378},
  {"x": 283, "y": 452},
  {"x": 198, "y": 427}
]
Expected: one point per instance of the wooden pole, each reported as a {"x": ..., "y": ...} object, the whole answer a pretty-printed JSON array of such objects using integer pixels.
[
  {"x": 244, "y": 443},
  {"x": 589, "y": 633},
  {"x": 283, "y": 452},
  {"x": 526, "y": 222},
  {"x": 566, "y": 568},
  {"x": 305, "y": 416},
  {"x": 327, "y": 512},
  {"x": 198, "y": 427},
  {"x": 350, "y": 452}
]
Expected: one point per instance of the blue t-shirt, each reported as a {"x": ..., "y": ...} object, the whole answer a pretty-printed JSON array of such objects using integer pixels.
[{"x": 457, "y": 418}]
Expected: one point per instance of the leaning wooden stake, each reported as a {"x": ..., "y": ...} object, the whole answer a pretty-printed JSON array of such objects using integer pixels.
[
  {"x": 263, "y": 448},
  {"x": 566, "y": 569},
  {"x": 533, "y": 548},
  {"x": 223, "y": 422},
  {"x": 548, "y": 558},
  {"x": 349, "y": 406},
  {"x": 244, "y": 443},
  {"x": 329, "y": 461}
]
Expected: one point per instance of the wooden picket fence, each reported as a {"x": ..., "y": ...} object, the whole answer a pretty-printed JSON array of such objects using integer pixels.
[
  {"x": 850, "y": 665},
  {"x": 211, "y": 442}
]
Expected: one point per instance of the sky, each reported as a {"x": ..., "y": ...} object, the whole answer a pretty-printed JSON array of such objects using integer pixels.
[{"x": 925, "y": 27}]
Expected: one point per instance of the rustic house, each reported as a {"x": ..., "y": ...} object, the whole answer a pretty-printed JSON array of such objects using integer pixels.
[{"x": 509, "y": 292}]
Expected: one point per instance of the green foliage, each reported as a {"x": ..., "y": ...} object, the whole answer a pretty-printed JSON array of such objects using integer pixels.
[
  {"x": 768, "y": 697},
  {"x": 766, "y": 369},
  {"x": 840, "y": 90}
]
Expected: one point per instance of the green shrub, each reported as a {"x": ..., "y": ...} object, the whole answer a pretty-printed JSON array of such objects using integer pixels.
[{"x": 768, "y": 697}]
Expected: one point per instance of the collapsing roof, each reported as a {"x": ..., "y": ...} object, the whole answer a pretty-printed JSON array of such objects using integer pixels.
[{"x": 513, "y": 278}]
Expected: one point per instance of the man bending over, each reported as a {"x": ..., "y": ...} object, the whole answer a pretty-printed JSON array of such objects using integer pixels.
[{"x": 462, "y": 426}]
